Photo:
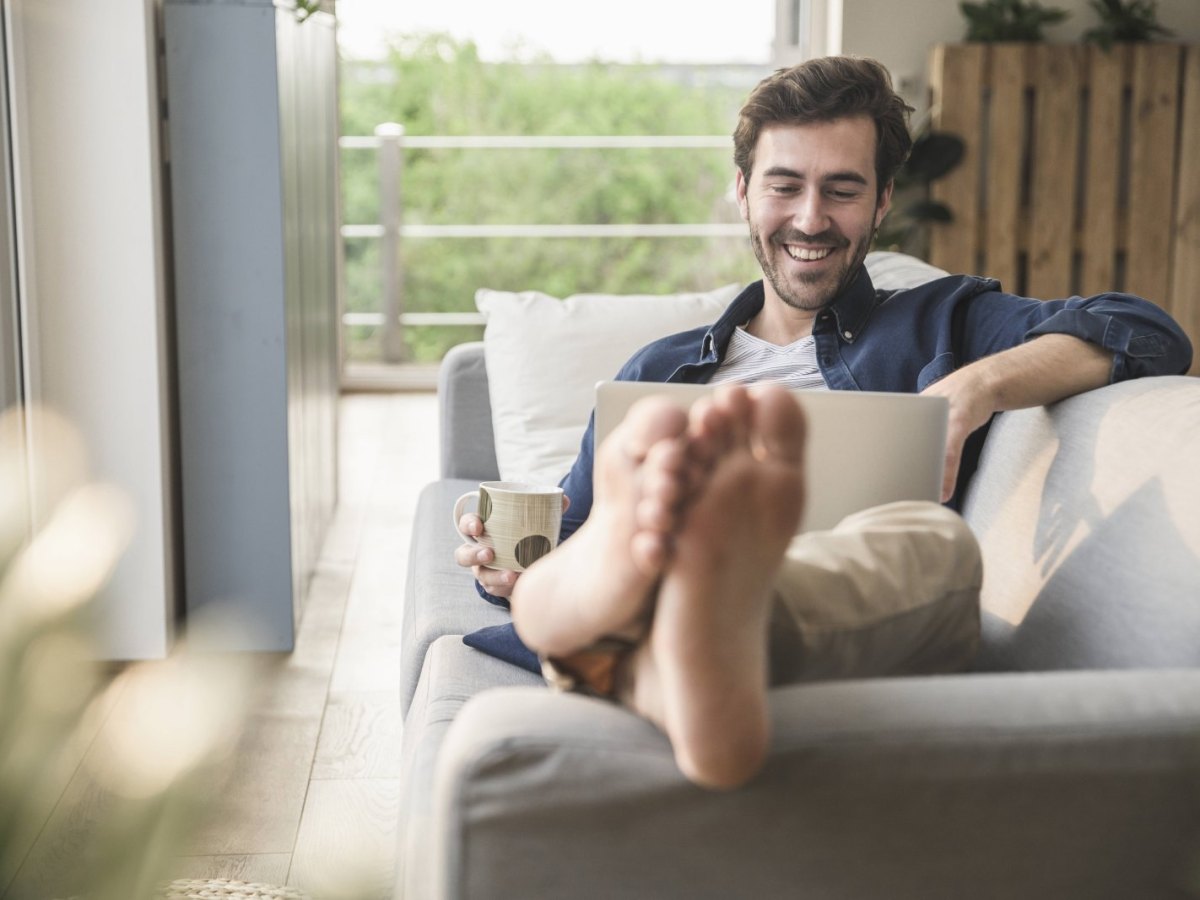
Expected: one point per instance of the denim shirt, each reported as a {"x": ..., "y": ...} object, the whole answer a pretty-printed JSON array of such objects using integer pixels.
[{"x": 904, "y": 341}]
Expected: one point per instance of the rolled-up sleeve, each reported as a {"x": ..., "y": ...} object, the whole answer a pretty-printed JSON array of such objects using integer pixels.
[{"x": 1142, "y": 338}]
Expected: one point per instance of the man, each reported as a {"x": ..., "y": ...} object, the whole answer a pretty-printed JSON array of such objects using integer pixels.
[{"x": 681, "y": 592}]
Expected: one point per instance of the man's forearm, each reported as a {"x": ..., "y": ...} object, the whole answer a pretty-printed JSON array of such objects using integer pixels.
[{"x": 1044, "y": 370}]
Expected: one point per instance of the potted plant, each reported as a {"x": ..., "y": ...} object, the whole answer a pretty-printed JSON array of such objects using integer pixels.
[
  {"x": 1125, "y": 21},
  {"x": 934, "y": 154},
  {"x": 1009, "y": 20}
]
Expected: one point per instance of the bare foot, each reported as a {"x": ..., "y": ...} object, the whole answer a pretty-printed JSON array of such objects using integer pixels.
[
  {"x": 709, "y": 639},
  {"x": 601, "y": 581}
]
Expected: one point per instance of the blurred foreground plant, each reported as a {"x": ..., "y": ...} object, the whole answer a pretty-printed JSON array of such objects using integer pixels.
[{"x": 167, "y": 726}]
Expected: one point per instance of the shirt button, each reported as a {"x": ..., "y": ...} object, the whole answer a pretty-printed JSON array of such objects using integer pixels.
[{"x": 847, "y": 334}]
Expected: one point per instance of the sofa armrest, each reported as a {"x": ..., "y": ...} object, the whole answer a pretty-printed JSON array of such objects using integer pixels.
[
  {"x": 464, "y": 406},
  {"x": 1017, "y": 785}
]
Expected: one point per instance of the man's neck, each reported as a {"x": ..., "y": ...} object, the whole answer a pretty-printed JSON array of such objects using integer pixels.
[{"x": 780, "y": 324}]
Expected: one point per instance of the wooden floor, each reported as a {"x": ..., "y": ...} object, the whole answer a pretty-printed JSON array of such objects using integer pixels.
[{"x": 312, "y": 797}]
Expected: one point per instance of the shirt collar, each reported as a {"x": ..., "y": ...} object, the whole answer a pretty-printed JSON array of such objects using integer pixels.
[
  {"x": 745, "y": 306},
  {"x": 851, "y": 309}
]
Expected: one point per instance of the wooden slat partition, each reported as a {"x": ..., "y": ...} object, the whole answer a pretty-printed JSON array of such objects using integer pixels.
[
  {"x": 1005, "y": 152},
  {"x": 1109, "y": 72},
  {"x": 1154, "y": 129},
  {"x": 956, "y": 85},
  {"x": 1054, "y": 161},
  {"x": 1082, "y": 170},
  {"x": 1185, "y": 280}
]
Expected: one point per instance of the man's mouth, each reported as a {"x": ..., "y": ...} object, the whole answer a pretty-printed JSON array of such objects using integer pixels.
[{"x": 807, "y": 254}]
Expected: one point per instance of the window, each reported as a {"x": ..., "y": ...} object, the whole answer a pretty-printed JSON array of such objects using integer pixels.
[{"x": 805, "y": 29}]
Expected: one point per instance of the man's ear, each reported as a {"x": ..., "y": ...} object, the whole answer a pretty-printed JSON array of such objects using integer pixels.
[
  {"x": 743, "y": 206},
  {"x": 885, "y": 203}
]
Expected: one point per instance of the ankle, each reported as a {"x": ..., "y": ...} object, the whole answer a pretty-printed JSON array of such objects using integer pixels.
[{"x": 722, "y": 765}]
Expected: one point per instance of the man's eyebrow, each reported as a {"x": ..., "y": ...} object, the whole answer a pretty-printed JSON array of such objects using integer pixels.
[
  {"x": 856, "y": 177},
  {"x": 785, "y": 172},
  {"x": 782, "y": 172}
]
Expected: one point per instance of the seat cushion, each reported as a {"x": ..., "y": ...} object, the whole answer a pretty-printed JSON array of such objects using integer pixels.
[
  {"x": 440, "y": 597},
  {"x": 452, "y": 673}
]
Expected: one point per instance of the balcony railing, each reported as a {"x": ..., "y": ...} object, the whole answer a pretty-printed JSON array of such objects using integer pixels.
[{"x": 389, "y": 142}]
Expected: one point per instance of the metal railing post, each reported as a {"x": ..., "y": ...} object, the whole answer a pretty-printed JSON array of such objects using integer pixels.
[{"x": 391, "y": 215}]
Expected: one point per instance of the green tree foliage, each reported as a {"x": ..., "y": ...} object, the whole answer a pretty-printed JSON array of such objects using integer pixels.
[{"x": 433, "y": 85}]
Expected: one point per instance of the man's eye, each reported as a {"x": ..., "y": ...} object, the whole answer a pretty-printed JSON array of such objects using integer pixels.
[{"x": 844, "y": 195}]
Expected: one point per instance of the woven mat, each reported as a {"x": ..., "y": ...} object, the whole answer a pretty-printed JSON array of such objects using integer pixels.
[{"x": 207, "y": 889}]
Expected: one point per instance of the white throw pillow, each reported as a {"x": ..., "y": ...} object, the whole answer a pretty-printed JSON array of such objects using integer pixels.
[
  {"x": 895, "y": 271},
  {"x": 545, "y": 355}
]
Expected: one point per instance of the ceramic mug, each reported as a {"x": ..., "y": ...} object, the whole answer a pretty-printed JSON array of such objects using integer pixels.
[{"x": 520, "y": 521}]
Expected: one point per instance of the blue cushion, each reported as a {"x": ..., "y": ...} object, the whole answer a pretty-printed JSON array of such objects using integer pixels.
[{"x": 501, "y": 641}]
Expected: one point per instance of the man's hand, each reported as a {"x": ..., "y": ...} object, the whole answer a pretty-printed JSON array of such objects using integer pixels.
[
  {"x": 971, "y": 405},
  {"x": 1044, "y": 370},
  {"x": 497, "y": 582}
]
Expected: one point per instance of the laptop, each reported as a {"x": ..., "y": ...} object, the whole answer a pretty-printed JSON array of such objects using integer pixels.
[{"x": 864, "y": 448}]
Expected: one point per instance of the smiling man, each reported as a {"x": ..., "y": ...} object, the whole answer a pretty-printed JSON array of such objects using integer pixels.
[
  {"x": 681, "y": 591},
  {"x": 813, "y": 208}
]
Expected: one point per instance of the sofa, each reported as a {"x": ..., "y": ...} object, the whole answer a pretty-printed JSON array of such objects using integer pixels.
[{"x": 1065, "y": 764}]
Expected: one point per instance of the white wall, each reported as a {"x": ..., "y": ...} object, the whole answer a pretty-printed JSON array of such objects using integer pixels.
[
  {"x": 89, "y": 222},
  {"x": 900, "y": 34}
]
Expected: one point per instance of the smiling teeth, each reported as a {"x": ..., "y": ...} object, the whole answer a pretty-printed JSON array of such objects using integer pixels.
[{"x": 807, "y": 255}]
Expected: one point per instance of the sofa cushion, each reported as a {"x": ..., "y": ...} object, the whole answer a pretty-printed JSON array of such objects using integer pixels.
[
  {"x": 1087, "y": 516},
  {"x": 451, "y": 674},
  {"x": 1066, "y": 785},
  {"x": 545, "y": 355},
  {"x": 440, "y": 597},
  {"x": 467, "y": 446}
]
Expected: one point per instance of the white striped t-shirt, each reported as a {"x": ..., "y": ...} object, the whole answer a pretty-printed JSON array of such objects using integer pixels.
[{"x": 749, "y": 359}]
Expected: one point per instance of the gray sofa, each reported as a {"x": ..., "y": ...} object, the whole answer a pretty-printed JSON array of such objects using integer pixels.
[{"x": 1066, "y": 766}]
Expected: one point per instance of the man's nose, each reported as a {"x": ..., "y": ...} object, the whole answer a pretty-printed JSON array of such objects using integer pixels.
[{"x": 810, "y": 215}]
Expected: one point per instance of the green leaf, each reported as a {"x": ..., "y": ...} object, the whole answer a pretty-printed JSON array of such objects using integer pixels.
[
  {"x": 929, "y": 211},
  {"x": 934, "y": 154}
]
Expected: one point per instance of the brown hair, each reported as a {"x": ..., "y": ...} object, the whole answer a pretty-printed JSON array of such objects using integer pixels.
[{"x": 822, "y": 90}]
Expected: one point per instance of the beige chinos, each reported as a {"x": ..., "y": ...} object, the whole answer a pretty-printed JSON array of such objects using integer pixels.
[{"x": 891, "y": 590}]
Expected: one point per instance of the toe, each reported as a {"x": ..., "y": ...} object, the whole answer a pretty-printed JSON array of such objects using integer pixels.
[
  {"x": 662, "y": 495},
  {"x": 649, "y": 552},
  {"x": 734, "y": 400},
  {"x": 779, "y": 424},
  {"x": 652, "y": 514},
  {"x": 649, "y": 421},
  {"x": 709, "y": 430}
]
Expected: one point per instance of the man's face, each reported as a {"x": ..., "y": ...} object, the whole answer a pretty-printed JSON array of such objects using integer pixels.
[{"x": 813, "y": 207}]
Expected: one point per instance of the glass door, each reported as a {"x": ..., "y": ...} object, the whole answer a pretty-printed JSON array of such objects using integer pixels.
[{"x": 11, "y": 364}]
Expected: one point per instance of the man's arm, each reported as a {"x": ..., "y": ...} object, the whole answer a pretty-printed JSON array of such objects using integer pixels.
[{"x": 1044, "y": 370}]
